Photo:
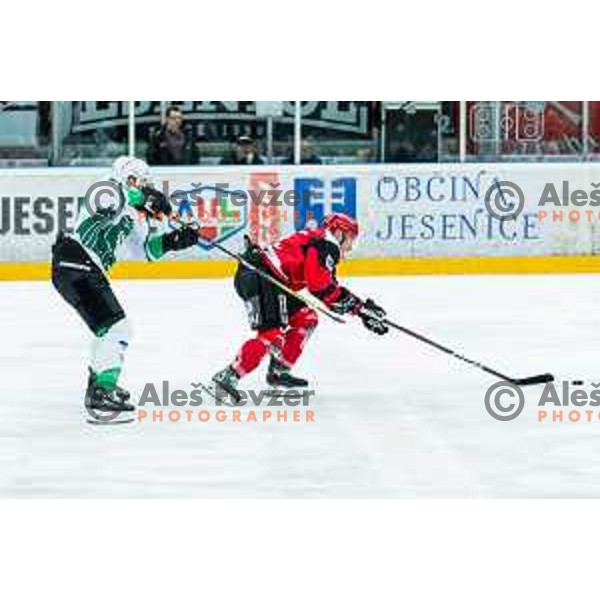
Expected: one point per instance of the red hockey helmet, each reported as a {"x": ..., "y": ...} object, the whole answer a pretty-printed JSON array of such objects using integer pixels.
[{"x": 345, "y": 223}]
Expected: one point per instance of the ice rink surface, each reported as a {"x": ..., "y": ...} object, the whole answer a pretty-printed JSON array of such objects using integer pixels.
[{"x": 393, "y": 418}]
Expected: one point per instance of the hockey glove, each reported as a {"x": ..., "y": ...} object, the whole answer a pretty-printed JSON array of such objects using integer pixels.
[
  {"x": 372, "y": 315},
  {"x": 252, "y": 252},
  {"x": 346, "y": 303},
  {"x": 180, "y": 239},
  {"x": 157, "y": 202},
  {"x": 104, "y": 213}
]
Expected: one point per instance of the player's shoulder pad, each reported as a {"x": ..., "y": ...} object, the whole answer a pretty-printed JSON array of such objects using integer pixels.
[{"x": 327, "y": 248}]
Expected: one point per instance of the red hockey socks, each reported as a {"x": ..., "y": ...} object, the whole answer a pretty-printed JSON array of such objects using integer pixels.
[
  {"x": 254, "y": 350},
  {"x": 302, "y": 324},
  {"x": 289, "y": 346}
]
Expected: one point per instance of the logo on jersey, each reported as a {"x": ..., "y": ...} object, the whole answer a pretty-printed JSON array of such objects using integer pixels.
[
  {"x": 319, "y": 197},
  {"x": 212, "y": 209},
  {"x": 329, "y": 262}
]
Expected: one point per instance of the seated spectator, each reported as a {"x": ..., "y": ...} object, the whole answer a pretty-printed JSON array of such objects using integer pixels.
[
  {"x": 400, "y": 151},
  {"x": 308, "y": 155},
  {"x": 244, "y": 153},
  {"x": 173, "y": 144}
]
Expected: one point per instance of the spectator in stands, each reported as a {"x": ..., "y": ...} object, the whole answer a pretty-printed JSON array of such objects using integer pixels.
[
  {"x": 244, "y": 152},
  {"x": 308, "y": 156},
  {"x": 173, "y": 144},
  {"x": 366, "y": 155}
]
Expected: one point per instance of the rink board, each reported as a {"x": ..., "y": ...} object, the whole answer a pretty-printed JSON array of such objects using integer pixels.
[
  {"x": 386, "y": 267},
  {"x": 415, "y": 219}
]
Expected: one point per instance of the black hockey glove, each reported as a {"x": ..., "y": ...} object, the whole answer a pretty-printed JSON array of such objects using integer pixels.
[
  {"x": 252, "y": 253},
  {"x": 156, "y": 202},
  {"x": 180, "y": 239},
  {"x": 101, "y": 214},
  {"x": 346, "y": 303},
  {"x": 371, "y": 315}
]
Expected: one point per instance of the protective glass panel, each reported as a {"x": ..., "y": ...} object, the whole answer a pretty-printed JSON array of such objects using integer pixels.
[
  {"x": 339, "y": 132},
  {"x": 24, "y": 133},
  {"x": 90, "y": 133},
  {"x": 525, "y": 130},
  {"x": 411, "y": 131}
]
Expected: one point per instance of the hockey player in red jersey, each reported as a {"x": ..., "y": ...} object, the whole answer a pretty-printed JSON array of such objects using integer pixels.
[{"x": 283, "y": 323}]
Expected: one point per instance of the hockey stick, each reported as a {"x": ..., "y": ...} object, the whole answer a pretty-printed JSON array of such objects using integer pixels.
[{"x": 533, "y": 380}]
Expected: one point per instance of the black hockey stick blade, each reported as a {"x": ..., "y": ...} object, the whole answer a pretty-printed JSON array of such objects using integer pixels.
[{"x": 534, "y": 379}]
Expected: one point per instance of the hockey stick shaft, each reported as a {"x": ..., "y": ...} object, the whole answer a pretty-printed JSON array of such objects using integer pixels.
[{"x": 534, "y": 379}]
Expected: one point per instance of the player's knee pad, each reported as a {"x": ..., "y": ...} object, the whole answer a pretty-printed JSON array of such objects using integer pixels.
[
  {"x": 305, "y": 318},
  {"x": 302, "y": 324},
  {"x": 254, "y": 350},
  {"x": 271, "y": 338}
]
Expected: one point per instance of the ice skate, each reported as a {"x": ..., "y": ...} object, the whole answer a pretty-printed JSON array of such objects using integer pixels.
[
  {"x": 226, "y": 382},
  {"x": 279, "y": 378},
  {"x": 105, "y": 406},
  {"x": 121, "y": 393}
]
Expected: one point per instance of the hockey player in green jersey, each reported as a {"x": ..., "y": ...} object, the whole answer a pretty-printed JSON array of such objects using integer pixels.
[{"x": 111, "y": 229}]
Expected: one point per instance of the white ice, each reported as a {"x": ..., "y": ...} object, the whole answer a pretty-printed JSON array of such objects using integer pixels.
[{"x": 393, "y": 418}]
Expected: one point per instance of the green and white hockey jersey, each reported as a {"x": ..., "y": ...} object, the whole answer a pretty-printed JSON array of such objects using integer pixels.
[{"x": 111, "y": 235}]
